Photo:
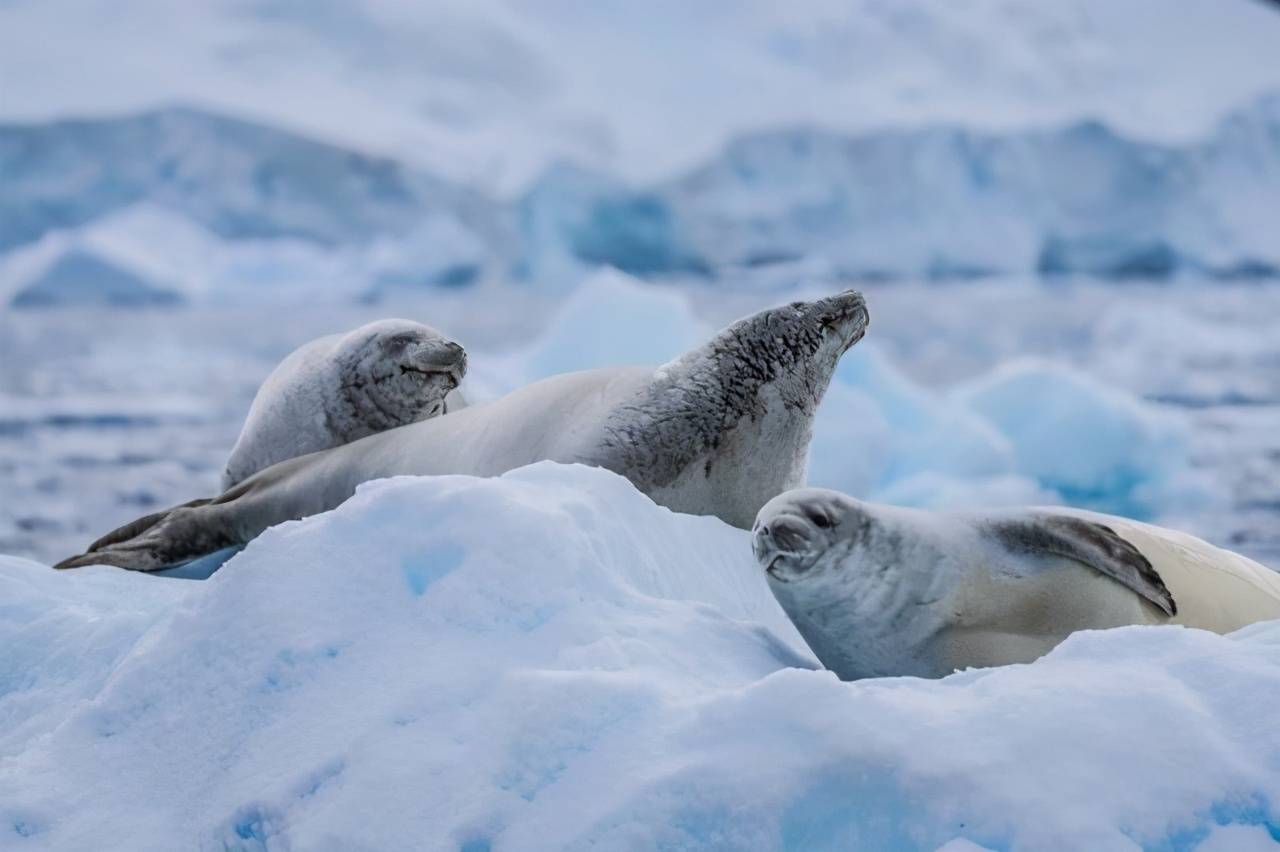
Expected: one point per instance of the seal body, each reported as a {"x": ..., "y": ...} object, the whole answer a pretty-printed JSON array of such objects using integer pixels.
[
  {"x": 344, "y": 387},
  {"x": 719, "y": 431},
  {"x": 885, "y": 591}
]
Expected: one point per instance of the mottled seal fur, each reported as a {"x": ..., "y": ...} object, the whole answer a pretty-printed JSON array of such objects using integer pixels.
[
  {"x": 344, "y": 387},
  {"x": 884, "y": 591},
  {"x": 718, "y": 431}
]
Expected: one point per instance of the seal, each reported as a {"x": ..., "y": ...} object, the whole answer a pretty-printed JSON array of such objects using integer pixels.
[
  {"x": 885, "y": 591},
  {"x": 718, "y": 431},
  {"x": 344, "y": 387}
]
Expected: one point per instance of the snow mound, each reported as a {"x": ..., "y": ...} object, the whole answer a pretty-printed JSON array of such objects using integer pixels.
[{"x": 547, "y": 660}]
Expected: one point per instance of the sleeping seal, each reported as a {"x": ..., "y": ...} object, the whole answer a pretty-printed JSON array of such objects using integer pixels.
[
  {"x": 343, "y": 387},
  {"x": 883, "y": 591},
  {"x": 718, "y": 431}
]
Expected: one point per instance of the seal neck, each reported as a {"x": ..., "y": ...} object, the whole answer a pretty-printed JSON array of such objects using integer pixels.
[{"x": 730, "y": 422}]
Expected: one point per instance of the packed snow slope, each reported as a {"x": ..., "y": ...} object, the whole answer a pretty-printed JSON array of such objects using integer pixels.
[
  {"x": 495, "y": 90},
  {"x": 547, "y": 660}
]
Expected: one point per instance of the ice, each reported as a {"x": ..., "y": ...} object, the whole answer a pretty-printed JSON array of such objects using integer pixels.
[
  {"x": 1091, "y": 444},
  {"x": 496, "y": 92},
  {"x": 1024, "y": 433},
  {"x": 614, "y": 320},
  {"x": 920, "y": 432},
  {"x": 80, "y": 277},
  {"x": 548, "y": 660},
  {"x": 595, "y": 219},
  {"x": 441, "y": 252},
  {"x": 238, "y": 179},
  {"x": 942, "y": 201},
  {"x": 951, "y": 202}
]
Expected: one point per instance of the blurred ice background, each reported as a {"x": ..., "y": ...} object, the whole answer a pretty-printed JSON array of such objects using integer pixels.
[{"x": 1064, "y": 216}]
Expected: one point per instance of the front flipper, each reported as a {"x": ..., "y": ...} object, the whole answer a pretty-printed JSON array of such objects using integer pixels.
[{"x": 1091, "y": 544}]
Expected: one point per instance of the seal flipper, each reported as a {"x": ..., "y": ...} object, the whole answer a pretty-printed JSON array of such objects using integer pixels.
[
  {"x": 1091, "y": 544},
  {"x": 161, "y": 540},
  {"x": 135, "y": 528}
]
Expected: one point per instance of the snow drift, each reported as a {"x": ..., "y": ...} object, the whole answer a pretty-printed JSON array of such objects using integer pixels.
[{"x": 547, "y": 660}]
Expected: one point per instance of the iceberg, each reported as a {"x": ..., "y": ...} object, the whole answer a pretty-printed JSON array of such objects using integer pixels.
[
  {"x": 936, "y": 201},
  {"x": 81, "y": 277},
  {"x": 548, "y": 660},
  {"x": 1093, "y": 445}
]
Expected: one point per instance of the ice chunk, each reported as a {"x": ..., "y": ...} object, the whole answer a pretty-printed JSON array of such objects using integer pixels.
[
  {"x": 80, "y": 277},
  {"x": 876, "y": 427},
  {"x": 613, "y": 319},
  {"x": 1094, "y": 445},
  {"x": 470, "y": 663}
]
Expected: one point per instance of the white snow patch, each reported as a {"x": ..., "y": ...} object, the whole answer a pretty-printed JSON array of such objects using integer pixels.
[{"x": 548, "y": 660}]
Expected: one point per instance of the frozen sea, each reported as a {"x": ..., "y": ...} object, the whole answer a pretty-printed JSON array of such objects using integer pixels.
[{"x": 109, "y": 414}]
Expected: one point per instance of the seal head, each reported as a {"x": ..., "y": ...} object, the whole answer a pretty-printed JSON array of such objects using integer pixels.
[
  {"x": 804, "y": 533},
  {"x": 390, "y": 373},
  {"x": 345, "y": 387},
  {"x": 857, "y": 585}
]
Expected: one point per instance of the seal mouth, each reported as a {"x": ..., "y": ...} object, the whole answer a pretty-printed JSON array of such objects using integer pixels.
[
  {"x": 772, "y": 569},
  {"x": 782, "y": 546},
  {"x": 787, "y": 566}
]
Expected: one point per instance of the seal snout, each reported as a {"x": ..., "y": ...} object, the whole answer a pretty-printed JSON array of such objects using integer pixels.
[
  {"x": 437, "y": 357},
  {"x": 784, "y": 545},
  {"x": 847, "y": 314}
]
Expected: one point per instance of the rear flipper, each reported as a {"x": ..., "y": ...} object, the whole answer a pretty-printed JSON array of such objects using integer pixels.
[
  {"x": 162, "y": 540},
  {"x": 136, "y": 528}
]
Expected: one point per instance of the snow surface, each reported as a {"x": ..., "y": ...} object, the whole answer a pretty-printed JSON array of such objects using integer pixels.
[{"x": 547, "y": 660}]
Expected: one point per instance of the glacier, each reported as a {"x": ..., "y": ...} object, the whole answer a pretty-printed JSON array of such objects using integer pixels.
[
  {"x": 931, "y": 202},
  {"x": 81, "y": 277},
  {"x": 548, "y": 660}
]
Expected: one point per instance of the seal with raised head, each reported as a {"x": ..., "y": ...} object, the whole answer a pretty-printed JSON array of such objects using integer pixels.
[
  {"x": 885, "y": 591},
  {"x": 718, "y": 431},
  {"x": 344, "y": 387}
]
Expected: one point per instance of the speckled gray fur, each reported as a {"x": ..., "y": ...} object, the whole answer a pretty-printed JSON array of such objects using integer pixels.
[{"x": 695, "y": 401}]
